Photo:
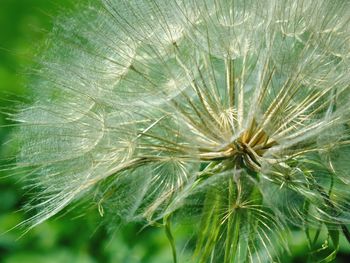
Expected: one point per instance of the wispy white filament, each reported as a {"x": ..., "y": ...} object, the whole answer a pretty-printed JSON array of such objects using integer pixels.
[{"x": 147, "y": 106}]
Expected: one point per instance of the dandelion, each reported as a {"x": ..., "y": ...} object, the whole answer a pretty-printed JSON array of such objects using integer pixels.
[{"x": 230, "y": 114}]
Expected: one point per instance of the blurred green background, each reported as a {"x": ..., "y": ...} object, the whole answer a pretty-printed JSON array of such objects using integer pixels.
[{"x": 23, "y": 24}]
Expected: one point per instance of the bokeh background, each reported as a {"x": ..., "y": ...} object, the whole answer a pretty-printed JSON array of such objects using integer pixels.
[{"x": 69, "y": 237}]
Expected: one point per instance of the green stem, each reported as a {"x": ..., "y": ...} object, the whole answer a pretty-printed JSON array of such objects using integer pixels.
[
  {"x": 229, "y": 224},
  {"x": 236, "y": 230},
  {"x": 233, "y": 224},
  {"x": 170, "y": 237}
]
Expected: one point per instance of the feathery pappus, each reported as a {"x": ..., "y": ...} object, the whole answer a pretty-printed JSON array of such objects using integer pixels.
[{"x": 231, "y": 113}]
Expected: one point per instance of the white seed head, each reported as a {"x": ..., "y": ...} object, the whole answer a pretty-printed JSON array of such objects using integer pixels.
[{"x": 235, "y": 111}]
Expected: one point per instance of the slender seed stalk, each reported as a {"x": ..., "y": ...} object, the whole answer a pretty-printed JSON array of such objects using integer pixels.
[
  {"x": 167, "y": 226},
  {"x": 229, "y": 233}
]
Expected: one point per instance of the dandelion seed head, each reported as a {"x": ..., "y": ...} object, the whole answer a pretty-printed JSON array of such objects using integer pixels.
[{"x": 224, "y": 110}]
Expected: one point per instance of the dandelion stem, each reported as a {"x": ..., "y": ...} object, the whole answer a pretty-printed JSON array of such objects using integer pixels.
[
  {"x": 170, "y": 237},
  {"x": 229, "y": 225}
]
